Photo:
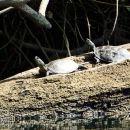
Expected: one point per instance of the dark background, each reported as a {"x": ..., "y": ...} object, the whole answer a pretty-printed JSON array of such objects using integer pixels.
[{"x": 21, "y": 39}]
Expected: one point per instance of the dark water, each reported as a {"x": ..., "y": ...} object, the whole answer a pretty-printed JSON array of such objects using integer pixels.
[{"x": 70, "y": 124}]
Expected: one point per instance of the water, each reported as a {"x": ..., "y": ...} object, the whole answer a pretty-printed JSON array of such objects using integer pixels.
[{"x": 70, "y": 124}]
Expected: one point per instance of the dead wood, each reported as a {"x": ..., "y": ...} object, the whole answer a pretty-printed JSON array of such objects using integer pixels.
[
  {"x": 36, "y": 17},
  {"x": 6, "y": 3},
  {"x": 105, "y": 87},
  {"x": 43, "y": 6},
  {"x": 6, "y": 10}
]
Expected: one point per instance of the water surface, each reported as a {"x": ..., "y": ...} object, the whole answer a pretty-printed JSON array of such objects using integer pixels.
[{"x": 70, "y": 124}]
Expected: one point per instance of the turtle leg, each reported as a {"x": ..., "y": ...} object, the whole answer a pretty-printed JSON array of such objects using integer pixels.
[
  {"x": 97, "y": 60},
  {"x": 47, "y": 73},
  {"x": 81, "y": 67}
]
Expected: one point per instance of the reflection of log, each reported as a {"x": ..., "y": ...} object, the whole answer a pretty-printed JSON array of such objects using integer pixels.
[{"x": 105, "y": 87}]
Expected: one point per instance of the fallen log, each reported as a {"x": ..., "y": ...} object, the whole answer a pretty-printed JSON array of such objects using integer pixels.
[{"x": 105, "y": 88}]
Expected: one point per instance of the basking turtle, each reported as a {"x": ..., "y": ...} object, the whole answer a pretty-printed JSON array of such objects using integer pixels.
[
  {"x": 109, "y": 53},
  {"x": 58, "y": 66}
]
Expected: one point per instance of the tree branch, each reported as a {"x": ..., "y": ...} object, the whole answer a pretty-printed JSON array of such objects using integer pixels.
[
  {"x": 12, "y": 2},
  {"x": 34, "y": 16},
  {"x": 79, "y": 50},
  {"x": 6, "y": 10},
  {"x": 43, "y": 6}
]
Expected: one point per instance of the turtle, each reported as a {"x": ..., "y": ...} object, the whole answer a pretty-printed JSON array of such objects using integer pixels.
[
  {"x": 58, "y": 66},
  {"x": 109, "y": 54}
]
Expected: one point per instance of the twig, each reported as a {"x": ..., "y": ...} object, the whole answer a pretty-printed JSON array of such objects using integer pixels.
[
  {"x": 43, "y": 6},
  {"x": 88, "y": 23},
  {"x": 117, "y": 10},
  {"x": 80, "y": 35},
  {"x": 106, "y": 3},
  {"x": 89, "y": 30},
  {"x": 37, "y": 41},
  {"x": 80, "y": 50},
  {"x": 6, "y": 10},
  {"x": 64, "y": 34},
  {"x": 12, "y": 40}
]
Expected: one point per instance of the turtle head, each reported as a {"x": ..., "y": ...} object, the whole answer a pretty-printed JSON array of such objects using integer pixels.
[
  {"x": 39, "y": 63},
  {"x": 90, "y": 43}
]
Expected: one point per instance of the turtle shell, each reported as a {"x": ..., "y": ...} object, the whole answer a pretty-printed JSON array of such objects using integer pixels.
[
  {"x": 111, "y": 54},
  {"x": 61, "y": 66}
]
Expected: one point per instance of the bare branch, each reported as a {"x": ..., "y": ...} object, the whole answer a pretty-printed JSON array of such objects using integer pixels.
[
  {"x": 34, "y": 16},
  {"x": 80, "y": 50},
  {"x": 38, "y": 18},
  {"x": 6, "y": 10},
  {"x": 43, "y": 6},
  {"x": 117, "y": 6}
]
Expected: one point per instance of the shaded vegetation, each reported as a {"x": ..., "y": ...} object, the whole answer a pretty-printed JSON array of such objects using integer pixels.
[{"x": 21, "y": 39}]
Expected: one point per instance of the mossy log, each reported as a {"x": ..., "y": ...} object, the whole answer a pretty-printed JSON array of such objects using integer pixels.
[{"x": 105, "y": 87}]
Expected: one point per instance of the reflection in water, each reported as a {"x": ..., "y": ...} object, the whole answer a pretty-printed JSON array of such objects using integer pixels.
[{"x": 69, "y": 124}]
